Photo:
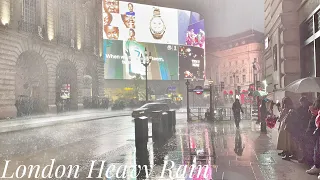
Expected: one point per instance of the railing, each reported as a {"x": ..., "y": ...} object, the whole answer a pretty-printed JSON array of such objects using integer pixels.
[{"x": 220, "y": 113}]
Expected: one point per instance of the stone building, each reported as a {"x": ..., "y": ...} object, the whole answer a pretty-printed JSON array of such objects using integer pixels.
[
  {"x": 282, "y": 46},
  {"x": 230, "y": 60},
  {"x": 47, "y": 44},
  {"x": 309, "y": 14}
]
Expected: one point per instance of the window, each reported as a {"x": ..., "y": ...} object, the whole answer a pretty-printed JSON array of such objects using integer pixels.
[
  {"x": 229, "y": 63},
  {"x": 238, "y": 79},
  {"x": 29, "y": 15},
  {"x": 236, "y": 63},
  {"x": 225, "y": 80},
  {"x": 244, "y": 78},
  {"x": 231, "y": 82},
  {"x": 242, "y": 61},
  {"x": 275, "y": 58},
  {"x": 64, "y": 20}
]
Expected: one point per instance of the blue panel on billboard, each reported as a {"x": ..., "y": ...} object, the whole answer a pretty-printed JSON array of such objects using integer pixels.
[{"x": 195, "y": 17}]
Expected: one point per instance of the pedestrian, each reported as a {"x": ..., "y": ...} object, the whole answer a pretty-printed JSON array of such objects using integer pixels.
[
  {"x": 236, "y": 108},
  {"x": 286, "y": 129},
  {"x": 263, "y": 114},
  {"x": 313, "y": 132},
  {"x": 302, "y": 126}
]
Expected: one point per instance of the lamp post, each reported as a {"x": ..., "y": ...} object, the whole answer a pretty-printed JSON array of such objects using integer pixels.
[
  {"x": 188, "y": 109},
  {"x": 146, "y": 61},
  {"x": 211, "y": 100}
]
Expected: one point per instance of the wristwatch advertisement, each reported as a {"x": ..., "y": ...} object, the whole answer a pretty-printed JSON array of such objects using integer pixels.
[{"x": 157, "y": 26}]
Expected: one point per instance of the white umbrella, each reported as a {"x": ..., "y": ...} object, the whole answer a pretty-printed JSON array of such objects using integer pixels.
[{"x": 305, "y": 85}]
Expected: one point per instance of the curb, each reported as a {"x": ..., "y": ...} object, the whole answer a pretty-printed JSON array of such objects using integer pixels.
[{"x": 46, "y": 124}]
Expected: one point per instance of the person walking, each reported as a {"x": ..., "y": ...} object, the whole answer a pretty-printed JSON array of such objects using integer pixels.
[
  {"x": 236, "y": 108},
  {"x": 263, "y": 115}
]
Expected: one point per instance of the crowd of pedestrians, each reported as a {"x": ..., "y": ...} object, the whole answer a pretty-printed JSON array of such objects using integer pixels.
[
  {"x": 299, "y": 129},
  {"x": 299, "y": 132}
]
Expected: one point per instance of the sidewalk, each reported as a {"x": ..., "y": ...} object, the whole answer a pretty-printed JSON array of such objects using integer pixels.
[{"x": 28, "y": 122}]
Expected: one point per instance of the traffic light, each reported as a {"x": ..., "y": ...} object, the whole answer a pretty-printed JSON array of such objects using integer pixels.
[{"x": 222, "y": 86}]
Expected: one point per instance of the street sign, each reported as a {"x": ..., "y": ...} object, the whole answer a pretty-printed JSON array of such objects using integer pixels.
[{"x": 198, "y": 90}]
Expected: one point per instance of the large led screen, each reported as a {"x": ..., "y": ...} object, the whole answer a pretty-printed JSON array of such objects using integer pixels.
[
  {"x": 129, "y": 28},
  {"x": 123, "y": 60},
  {"x": 152, "y": 24},
  {"x": 191, "y": 61}
]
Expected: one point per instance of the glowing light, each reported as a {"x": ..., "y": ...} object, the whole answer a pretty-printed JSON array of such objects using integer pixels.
[
  {"x": 50, "y": 20},
  {"x": 5, "y": 12}
]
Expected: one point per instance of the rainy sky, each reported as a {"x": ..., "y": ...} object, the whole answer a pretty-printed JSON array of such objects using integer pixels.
[{"x": 222, "y": 17}]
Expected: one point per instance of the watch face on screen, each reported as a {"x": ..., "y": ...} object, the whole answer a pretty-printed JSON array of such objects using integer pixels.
[{"x": 157, "y": 26}]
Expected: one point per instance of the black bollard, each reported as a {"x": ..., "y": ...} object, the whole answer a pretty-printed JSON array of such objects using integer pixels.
[
  {"x": 142, "y": 161},
  {"x": 141, "y": 130},
  {"x": 174, "y": 120},
  {"x": 156, "y": 125},
  {"x": 170, "y": 122},
  {"x": 165, "y": 132}
]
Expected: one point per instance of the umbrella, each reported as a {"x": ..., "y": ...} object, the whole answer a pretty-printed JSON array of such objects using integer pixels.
[
  {"x": 305, "y": 85},
  {"x": 259, "y": 93}
]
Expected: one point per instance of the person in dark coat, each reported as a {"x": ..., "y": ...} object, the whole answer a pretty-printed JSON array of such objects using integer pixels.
[
  {"x": 301, "y": 135},
  {"x": 312, "y": 145},
  {"x": 236, "y": 108}
]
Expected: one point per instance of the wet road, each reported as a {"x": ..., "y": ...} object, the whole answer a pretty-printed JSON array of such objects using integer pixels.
[{"x": 232, "y": 154}]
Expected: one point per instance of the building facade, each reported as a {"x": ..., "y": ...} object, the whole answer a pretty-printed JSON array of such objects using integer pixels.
[
  {"x": 231, "y": 60},
  {"x": 309, "y": 25},
  {"x": 282, "y": 46},
  {"x": 47, "y": 44}
]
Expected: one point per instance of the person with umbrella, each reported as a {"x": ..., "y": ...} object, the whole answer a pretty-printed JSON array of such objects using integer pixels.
[
  {"x": 302, "y": 137},
  {"x": 286, "y": 129}
]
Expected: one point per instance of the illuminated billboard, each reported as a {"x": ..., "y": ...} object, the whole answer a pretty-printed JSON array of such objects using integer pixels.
[
  {"x": 191, "y": 62},
  {"x": 123, "y": 60},
  {"x": 161, "y": 30}
]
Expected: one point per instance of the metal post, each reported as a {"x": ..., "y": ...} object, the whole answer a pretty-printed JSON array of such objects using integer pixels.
[
  {"x": 211, "y": 113},
  {"x": 188, "y": 108},
  {"x": 234, "y": 83},
  {"x": 146, "y": 66}
]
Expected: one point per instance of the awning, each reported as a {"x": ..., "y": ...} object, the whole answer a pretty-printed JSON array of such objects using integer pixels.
[
  {"x": 225, "y": 92},
  {"x": 231, "y": 92}
]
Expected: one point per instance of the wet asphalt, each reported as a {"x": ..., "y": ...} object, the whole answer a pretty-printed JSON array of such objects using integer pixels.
[{"x": 240, "y": 154}]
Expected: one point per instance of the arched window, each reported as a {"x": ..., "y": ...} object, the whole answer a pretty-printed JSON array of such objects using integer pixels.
[
  {"x": 28, "y": 15},
  {"x": 87, "y": 30},
  {"x": 65, "y": 21}
]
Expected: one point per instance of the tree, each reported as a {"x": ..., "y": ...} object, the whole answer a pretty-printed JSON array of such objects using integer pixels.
[{"x": 139, "y": 87}]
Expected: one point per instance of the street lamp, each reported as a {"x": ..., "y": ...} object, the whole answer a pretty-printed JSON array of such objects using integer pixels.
[
  {"x": 211, "y": 94},
  {"x": 145, "y": 62}
]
